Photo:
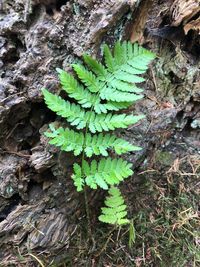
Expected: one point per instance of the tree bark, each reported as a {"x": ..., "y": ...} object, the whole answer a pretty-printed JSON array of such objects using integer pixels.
[{"x": 39, "y": 208}]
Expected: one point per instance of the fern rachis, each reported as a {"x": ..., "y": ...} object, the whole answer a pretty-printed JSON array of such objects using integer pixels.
[{"x": 99, "y": 91}]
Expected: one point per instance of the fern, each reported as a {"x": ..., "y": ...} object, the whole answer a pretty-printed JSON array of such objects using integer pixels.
[
  {"x": 97, "y": 91},
  {"x": 69, "y": 140},
  {"x": 114, "y": 95},
  {"x": 79, "y": 118},
  {"x": 115, "y": 211},
  {"x": 104, "y": 173},
  {"x": 75, "y": 90}
]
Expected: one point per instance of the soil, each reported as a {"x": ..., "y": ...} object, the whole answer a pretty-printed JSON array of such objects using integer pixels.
[{"x": 41, "y": 214}]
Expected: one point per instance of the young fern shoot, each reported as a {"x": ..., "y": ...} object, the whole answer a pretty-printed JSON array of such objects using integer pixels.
[{"x": 98, "y": 92}]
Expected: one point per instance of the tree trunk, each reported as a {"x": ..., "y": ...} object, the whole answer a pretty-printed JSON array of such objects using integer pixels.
[{"x": 40, "y": 211}]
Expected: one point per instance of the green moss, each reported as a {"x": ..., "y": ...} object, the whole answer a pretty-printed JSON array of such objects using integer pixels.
[{"x": 164, "y": 158}]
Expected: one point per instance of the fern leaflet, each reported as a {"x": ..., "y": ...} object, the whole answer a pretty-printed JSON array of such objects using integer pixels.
[
  {"x": 114, "y": 95},
  {"x": 104, "y": 173},
  {"x": 96, "y": 67},
  {"x": 87, "y": 77},
  {"x": 75, "y": 90},
  {"x": 79, "y": 118},
  {"x": 115, "y": 211},
  {"x": 69, "y": 140}
]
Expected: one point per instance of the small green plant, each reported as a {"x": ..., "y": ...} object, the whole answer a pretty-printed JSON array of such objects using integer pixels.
[
  {"x": 115, "y": 210},
  {"x": 100, "y": 90}
]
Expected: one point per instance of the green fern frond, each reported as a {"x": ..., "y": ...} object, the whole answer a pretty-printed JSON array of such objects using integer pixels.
[
  {"x": 79, "y": 118},
  {"x": 72, "y": 112},
  {"x": 127, "y": 77},
  {"x": 75, "y": 90},
  {"x": 115, "y": 211},
  {"x": 77, "y": 177},
  {"x": 115, "y": 95},
  {"x": 62, "y": 107},
  {"x": 99, "y": 90},
  {"x": 112, "y": 105},
  {"x": 114, "y": 83},
  {"x": 104, "y": 173},
  {"x": 66, "y": 139},
  {"x": 99, "y": 145},
  {"x": 87, "y": 78},
  {"x": 87, "y": 99},
  {"x": 127, "y": 55},
  {"x": 96, "y": 67},
  {"x": 79, "y": 93},
  {"x": 83, "y": 96},
  {"x": 128, "y": 62},
  {"x": 69, "y": 140},
  {"x": 129, "y": 69},
  {"x": 141, "y": 58},
  {"x": 124, "y": 87},
  {"x": 102, "y": 122},
  {"x": 119, "y": 55},
  {"x": 109, "y": 60}
]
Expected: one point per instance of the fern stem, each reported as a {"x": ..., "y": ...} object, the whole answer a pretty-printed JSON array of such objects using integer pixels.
[
  {"x": 85, "y": 196},
  {"x": 89, "y": 227},
  {"x": 85, "y": 188}
]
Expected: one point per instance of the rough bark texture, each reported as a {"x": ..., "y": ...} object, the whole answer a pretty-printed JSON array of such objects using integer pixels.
[{"x": 39, "y": 208}]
